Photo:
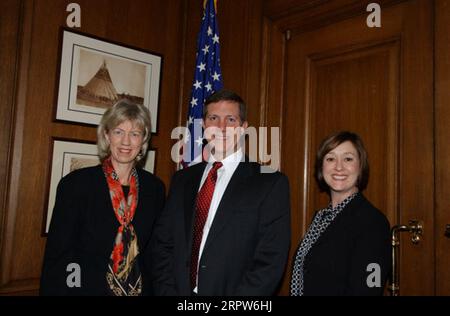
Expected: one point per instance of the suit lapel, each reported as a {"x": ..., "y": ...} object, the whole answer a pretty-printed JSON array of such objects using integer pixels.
[
  {"x": 340, "y": 220},
  {"x": 104, "y": 212},
  {"x": 228, "y": 201},
  {"x": 144, "y": 191}
]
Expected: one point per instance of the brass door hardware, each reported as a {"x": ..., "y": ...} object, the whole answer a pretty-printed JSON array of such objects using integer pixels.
[
  {"x": 447, "y": 231},
  {"x": 415, "y": 228}
]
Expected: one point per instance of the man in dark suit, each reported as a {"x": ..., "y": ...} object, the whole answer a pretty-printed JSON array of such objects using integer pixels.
[{"x": 226, "y": 226}]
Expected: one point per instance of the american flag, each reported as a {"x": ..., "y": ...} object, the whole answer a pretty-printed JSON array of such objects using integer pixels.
[{"x": 207, "y": 80}]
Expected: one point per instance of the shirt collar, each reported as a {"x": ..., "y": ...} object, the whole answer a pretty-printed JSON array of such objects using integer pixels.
[
  {"x": 343, "y": 204},
  {"x": 230, "y": 162}
]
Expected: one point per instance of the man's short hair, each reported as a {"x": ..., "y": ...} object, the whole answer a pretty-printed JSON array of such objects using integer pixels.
[{"x": 226, "y": 95}]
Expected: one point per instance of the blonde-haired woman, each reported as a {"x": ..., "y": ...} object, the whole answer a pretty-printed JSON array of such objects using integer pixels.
[{"x": 103, "y": 215}]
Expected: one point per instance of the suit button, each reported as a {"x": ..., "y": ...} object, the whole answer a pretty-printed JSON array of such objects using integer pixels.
[{"x": 203, "y": 266}]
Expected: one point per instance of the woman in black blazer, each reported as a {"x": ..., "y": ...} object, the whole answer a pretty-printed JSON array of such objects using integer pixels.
[
  {"x": 103, "y": 216},
  {"x": 346, "y": 249}
]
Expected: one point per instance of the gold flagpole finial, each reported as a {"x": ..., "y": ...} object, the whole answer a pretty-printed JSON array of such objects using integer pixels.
[{"x": 215, "y": 5}]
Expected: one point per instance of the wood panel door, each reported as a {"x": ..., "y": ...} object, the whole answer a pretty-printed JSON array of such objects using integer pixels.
[
  {"x": 339, "y": 74},
  {"x": 442, "y": 145}
]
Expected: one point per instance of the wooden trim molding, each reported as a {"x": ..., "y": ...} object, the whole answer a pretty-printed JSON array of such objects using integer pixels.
[
  {"x": 441, "y": 145},
  {"x": 314, "y": 14},
  {"x": 20, "y": 92}
]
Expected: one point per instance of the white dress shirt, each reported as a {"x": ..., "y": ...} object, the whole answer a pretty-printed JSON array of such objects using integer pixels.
[{"x": 224, "y": 175}]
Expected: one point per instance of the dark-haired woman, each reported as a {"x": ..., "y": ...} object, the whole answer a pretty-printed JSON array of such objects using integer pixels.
[{"x": 346, "y": 249}]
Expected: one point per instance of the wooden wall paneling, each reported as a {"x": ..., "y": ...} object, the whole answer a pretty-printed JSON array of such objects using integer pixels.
[
  {"x": 165, "y": 34},
  {"x": 277, "y": 9},
  {"x": 149, "y": 25},
  {"x": 357, "y": 90},
  {"x": 272, "y": 79},
  {"x": 252, "y": 64},
  {"x": 307, "y": 15},
  {"x": 416, "y": 186},
  {"x": 21, "y": 78},
  {"x": 10, "y": 18},
  {"x": 182, "y": 55},
  {"x": 272, "y": 109},
  {"x": 233, "y": 26},
  {"x": 442, "y": 145},
  {"x": 17, "y": 130},
  {"x": 194, "y": 11}
]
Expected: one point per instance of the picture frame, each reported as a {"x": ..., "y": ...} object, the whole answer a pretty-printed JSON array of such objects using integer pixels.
[
  {"x": 95, "y": 74},
  {"x": 69, "y": 155}
]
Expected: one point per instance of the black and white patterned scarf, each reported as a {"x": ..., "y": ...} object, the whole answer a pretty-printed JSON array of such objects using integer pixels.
[{"x": 319, "y": 224}]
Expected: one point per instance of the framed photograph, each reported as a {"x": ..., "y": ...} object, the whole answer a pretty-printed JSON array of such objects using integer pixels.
[
  {"x": 150, "y": 161},
  {"x": 71, "y": 155},
  {"x": 95, "y": 74}
]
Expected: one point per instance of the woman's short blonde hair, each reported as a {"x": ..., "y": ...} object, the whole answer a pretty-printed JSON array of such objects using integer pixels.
[{"x": 123, "y": 110}]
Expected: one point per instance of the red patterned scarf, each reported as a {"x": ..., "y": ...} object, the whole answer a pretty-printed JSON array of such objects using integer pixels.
[{"x": 123, "y": 275}]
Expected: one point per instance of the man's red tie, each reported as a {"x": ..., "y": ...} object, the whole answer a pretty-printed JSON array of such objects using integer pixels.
[{"x": 202, "y": 205}]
